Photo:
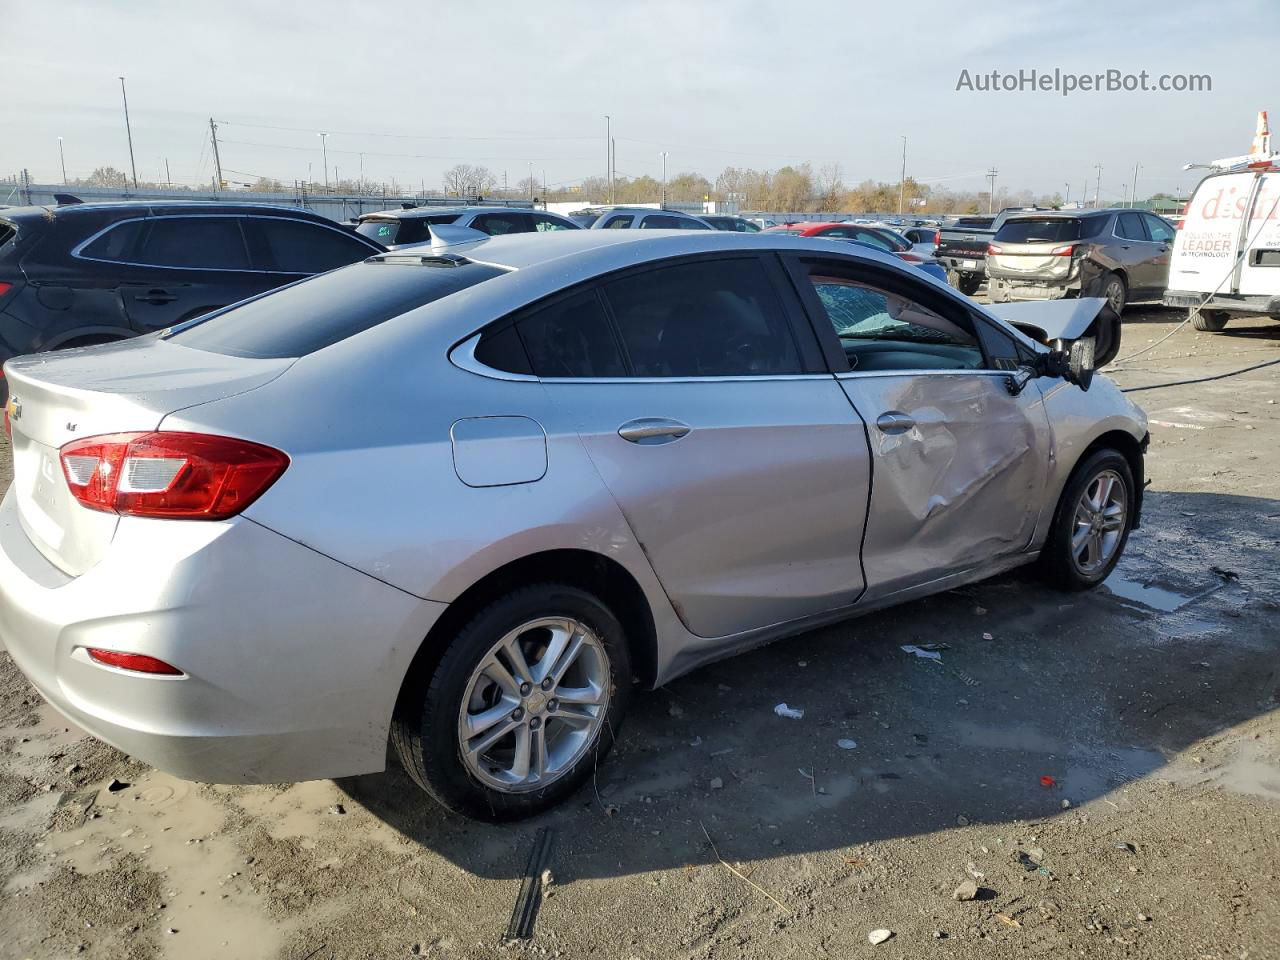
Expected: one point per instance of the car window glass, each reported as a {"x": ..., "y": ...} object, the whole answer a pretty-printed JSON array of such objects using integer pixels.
[
  {"x": 571, "y": 338},
  {"x": 542, "y": 223},
  {"x": 384, "y": 231},
  {"x": 875, "y": 239},
  {"x": 211, "y": 243},
  {"x": 1160, "y": 230},
  {"x": 882, "y": 330},
  {"x": 119, "y": 243},
  {"x": 618, "y": 223},
  {"x": 746, "y": 226},
  {"x": 662, "y": 221},
  {"x": 710, "y": 318},
  {"x": 295, "y": 247},
  {"x": 1129, "y": 227},
  {"x": 498, "y": 224},
  {"x": 501, "y": 349}
]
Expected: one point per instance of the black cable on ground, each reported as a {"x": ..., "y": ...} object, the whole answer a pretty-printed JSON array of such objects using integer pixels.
[{"x": 1220, "y": 376}]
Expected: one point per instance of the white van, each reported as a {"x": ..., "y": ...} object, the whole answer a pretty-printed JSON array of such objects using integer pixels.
[{"x": 1226, "y": 256}]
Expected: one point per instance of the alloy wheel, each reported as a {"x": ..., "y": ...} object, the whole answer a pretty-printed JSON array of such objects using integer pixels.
[
  {"x": 534, "y": 704},
  {"x": 1099, "y": 522}
]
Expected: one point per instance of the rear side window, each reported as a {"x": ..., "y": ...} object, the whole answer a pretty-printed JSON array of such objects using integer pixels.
[
  {"x": 316, "y": 313},
  {"x": 709, "y": 318},
  {"x": 571, "y": 338},
  {"x": 209, "y": 243},
  {"x": 294, "y": 247},
  {"x": 498, "y": 224},
  {"x": 384, "y": 231},
  {"x": 618, "y": 223},
  {"x": 1129, "y": 227},
  {"x": 661, "y": 221},
  {"x": 542, "y": 223},
  {"x": 119, "y": 244}
]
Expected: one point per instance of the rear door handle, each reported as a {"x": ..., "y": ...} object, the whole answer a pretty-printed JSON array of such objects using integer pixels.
[
  {"x": 894, "y": 422},
  {"x": 156, "y": 296},
  {"x": 652, "y": 430}
]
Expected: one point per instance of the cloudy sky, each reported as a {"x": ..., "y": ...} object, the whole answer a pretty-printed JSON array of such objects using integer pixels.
[{"x": 417, "y": 87}]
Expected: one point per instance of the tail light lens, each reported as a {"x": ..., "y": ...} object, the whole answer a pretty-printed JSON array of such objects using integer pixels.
[
  {"x": 911, "y": 258},
  {"x": 137, "y": 662},
  {"x": 937, "y": 237},
  {"x": 1064, "y": 251},
  {"x": 189, "y": 476},
  {"x": 5, "y": 288},
  {"x": 993, "y": 249}
]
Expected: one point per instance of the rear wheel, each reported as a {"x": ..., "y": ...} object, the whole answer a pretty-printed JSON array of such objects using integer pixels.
[
  {"x": 1210, "y": 321},
  {"x": 522, "y": 707},
  {"x": 966, "y": 283},
  {"x": 1092, "y": 522},
  {"x": 1115, "y": 291}
]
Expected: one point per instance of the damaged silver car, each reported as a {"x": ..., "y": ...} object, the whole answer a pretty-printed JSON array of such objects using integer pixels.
[{"x": 466, "y": 501}]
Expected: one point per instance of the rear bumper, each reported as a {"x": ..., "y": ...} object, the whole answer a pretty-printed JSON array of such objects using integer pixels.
[
  {"x": 1004, "y": 290},
  {"x": 292, "y": 661},
  {"x": 976, "y": 264},
  {"x": 1230, "y": 302}
]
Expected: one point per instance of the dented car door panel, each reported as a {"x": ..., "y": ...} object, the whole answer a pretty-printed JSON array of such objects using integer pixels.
[{"x": 959, "y": 468}]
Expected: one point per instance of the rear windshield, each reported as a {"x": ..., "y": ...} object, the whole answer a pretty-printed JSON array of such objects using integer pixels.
[
  {"x": 974, "y": 222},
  {"x": 408, "y": 230},
  {"x": 316, "y": 313},
  {"x": 1049, "y": 229}
]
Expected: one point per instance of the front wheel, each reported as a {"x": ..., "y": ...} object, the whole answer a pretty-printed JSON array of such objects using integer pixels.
[
  {"x": 523, "y": 705},
  {"x": 1092, "y": 523},
  {"x": 1209, "y": 321}
]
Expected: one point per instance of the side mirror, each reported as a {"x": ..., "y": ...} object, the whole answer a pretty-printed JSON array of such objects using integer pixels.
[{"x": 1073, "y": 362}]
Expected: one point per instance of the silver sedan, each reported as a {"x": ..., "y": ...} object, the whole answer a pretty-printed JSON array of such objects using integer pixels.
[{"x": 468, "y": 501}]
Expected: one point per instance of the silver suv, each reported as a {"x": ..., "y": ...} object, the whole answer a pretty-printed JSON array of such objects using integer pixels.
[
  {"x": 1121, "y": 255},
  {"x": 645, "y": 218},
  {"x": 400, "y": 228}
]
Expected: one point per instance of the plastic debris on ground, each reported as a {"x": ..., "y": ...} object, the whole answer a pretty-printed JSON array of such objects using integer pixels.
[
  {"x": 846, "y": 744},
  {"x": 790, "y": 713},
  {"x": 921, "y": 652}
]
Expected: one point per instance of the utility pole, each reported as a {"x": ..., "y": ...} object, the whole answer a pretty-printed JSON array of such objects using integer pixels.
[
  {"x": 129, "y": 130},
  {"x": 1136, "y": 165},
  {"x": 663, "y": 155},
  {"x": 544, "y": 189},
  {"x": 608, "y": 154},
  {"x": 63, "y": 158},
  {"x": 362, "y": 173},
  {"x": 991, "y": 197},
  {"x": 902, "y": 184},
  {"x": 613, "y": 171},
  {"x": 167, "y": 179},
  {"x": 217, "y": 160},
  {"x": 324, "y": 149},
  {"x": 531, "y": 181},
  {"x": 1067, "y": 195},
  {"x": 1097, "y": 185}
]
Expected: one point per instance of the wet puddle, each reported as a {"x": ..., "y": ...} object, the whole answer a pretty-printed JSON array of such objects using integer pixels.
[{"x": 1149, "y": 595}]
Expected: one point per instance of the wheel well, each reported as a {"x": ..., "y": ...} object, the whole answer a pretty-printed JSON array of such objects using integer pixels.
[
  {"x": 1131, "y": 450},
  {"x": 606, "y": 578}
]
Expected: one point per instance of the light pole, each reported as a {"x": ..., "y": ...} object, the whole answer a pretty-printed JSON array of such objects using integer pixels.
[
  {"x": 362, "y": 173},
  {"x": 608, "y": 154},
  {"x": 663, "y": 155},
  {"x": 1097, "y": 185},
  {"x": 1066, "y": 196},
  {"x": 63, "y": 158},
  {"x": 902, "y": 184},
  {"x": 324, "y": 149},
  {"x": 531, "y": 181},
  {"x": 1134, "y": 200},
  {"x": 129, "y": 130}
]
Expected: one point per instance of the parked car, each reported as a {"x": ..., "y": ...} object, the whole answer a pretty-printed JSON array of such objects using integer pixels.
[
  {"x": 877, "y": 237},
  {"x": 400, "y": 228},
  {"x": 466, "y": 502},
  {"x": 924, "y": 240},
  {"x": 1226, "y": 256},
  {"x": 92, "y": 272},
  {"x": 732, "y": 224},
  {"x": 1120, "y": 254},
  {"x": 646, "y": 218}
]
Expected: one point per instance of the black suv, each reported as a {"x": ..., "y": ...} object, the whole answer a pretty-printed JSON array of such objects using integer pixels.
[{"x": 88, "y": 273}]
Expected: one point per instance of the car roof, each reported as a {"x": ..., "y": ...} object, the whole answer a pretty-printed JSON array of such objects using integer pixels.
[
  {"x": 120, "y": 209},
  {"x": 623, "y": 208},
  {"x": 1069, "y": 214}
]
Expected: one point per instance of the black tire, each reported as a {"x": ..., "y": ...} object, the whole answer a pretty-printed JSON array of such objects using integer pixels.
[
  {"x": 1209, "y": 321},
  {"x": 424, "y": 730},
  {"x": 1112, "y": 288},
  {"x": 969, "y": 283},
  {"x": 1058, "y": 563}
]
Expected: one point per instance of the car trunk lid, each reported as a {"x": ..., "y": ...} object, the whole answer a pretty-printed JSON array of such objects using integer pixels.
[{"x": 114, "y": 388}]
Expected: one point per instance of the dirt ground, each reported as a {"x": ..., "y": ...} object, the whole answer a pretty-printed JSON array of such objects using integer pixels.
[{"x": 719, "y": 829}]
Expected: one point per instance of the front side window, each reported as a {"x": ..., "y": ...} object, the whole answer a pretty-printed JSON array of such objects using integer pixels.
[
  {"x": 1161, "y": 230},
  {"x": 661, "y": 221},
  {"x": 1129, "y": 227},
  {"x": 542, "y": 223},
  {"x": 209, "y": 243},
  {"x": 295, "y": 247},
  {"x": 618, "y": 223},
  {"x": 883, "y": 330},
  {"x": 499, "y": 224},
  {"x": 709, "y": 318}
]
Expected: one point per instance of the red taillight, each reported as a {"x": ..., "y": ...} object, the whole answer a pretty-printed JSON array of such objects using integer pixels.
[
  {"x": 137, "y": 662},
  {"x": 911, "y": 258},
  {"x": 5, "y": 288},
  {"x": 1063, "y": 251},
  {"x": 993, "y": 249},
  {"x": 937, "y": 237},
  {"x": 191, "y": 476}
]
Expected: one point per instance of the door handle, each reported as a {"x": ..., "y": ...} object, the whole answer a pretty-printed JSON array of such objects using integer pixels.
[
  {"x": 652, "y": 430},
  {"x": 894, "y": 422},
  {"x": 156, "y": 296}
]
